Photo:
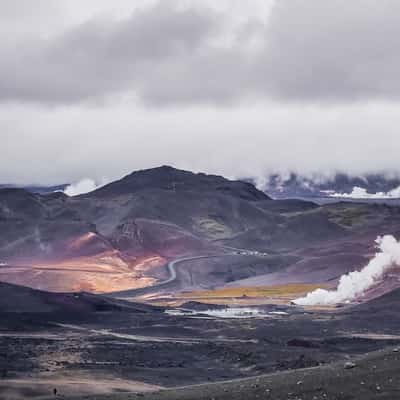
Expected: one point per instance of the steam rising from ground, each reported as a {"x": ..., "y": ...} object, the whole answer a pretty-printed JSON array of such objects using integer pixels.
[
  {"x": 356, "y": 283},
  {"x": 83, "y": 186},
  {"x": 229, "y": 312},
  {"x": 361, "y": 193}
]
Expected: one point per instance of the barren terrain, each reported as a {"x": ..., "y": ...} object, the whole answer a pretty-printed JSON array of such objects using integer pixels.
[{"x": 168, "y": 279}]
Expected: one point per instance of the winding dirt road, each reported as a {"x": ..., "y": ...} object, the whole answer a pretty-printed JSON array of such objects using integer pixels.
[{"x": 171, "y": 266}]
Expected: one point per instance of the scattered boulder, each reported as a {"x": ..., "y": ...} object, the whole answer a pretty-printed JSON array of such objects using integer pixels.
[{"x": 349, "y": 365}]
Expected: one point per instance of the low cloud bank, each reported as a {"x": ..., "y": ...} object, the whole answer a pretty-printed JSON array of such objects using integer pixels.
[
  {"x": 83, "y": 186},
  {"x": 356, "y": 283},
  {"x": 361, "y": 193}
]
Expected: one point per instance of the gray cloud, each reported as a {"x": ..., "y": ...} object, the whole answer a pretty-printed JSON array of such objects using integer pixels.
[
  {"x": 307, "y": 50},
  {"x": 100, "y": 57},
  {"x": 335, "y": 50},
  {"x": 65, "y": 144},
  {"x": 308, "y": 85}
]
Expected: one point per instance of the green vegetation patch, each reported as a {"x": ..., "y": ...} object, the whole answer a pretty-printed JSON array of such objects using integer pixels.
[
  {"x": 213, "y": 228},
  {"x": 349, "y": 216}
]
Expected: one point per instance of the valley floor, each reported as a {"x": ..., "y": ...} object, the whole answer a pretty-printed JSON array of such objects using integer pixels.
[{"x": 114, "y": 353}]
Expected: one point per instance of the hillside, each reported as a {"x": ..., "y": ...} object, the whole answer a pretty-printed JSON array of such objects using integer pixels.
[
  {"x": 122, "y": 235},
  {"x": 19, "y": 299}
]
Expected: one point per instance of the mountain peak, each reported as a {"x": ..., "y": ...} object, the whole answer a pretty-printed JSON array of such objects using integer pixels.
[{"x": 167, "y": 178}]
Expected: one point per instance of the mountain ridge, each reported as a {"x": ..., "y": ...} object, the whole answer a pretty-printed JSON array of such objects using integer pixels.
[
  {"x": 173, "y": 179},
  {"x": 122, "y": 235}
]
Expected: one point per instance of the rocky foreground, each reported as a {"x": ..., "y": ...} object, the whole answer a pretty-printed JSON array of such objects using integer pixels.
[{"x": 372, "y": 376}]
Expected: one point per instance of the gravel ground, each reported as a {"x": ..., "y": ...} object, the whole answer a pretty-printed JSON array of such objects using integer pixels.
[{"x": 372, "y": 376}]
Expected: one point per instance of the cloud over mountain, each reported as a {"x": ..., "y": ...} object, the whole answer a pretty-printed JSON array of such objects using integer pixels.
[{"x": 257, "y": 86}]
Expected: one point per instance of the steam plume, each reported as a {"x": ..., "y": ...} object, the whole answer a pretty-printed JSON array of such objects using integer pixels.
[
  {"x": 356, "y": 283},
  {"x": 83, "y": 186},
  {"x": 362, "y": 193}
]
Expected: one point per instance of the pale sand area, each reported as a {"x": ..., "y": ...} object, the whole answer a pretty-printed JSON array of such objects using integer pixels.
[{"x": 75, "y": 384}]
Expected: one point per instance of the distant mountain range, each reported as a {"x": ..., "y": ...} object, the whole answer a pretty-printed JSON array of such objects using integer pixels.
[
  {"x": 41, "y": 189},
  {"x": 292, "y": 185},
  {"x": 297, "y": 186}
]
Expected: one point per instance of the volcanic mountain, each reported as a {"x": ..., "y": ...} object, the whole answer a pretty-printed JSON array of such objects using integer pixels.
[{"x": 122, "y": 235}]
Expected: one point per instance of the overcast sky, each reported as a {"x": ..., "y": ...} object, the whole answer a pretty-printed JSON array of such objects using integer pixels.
[{"x": 98, "y": 88}]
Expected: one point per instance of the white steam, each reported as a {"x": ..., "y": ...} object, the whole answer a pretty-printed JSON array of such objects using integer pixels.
[
  {"x": 85, "y": 185},
  {"x": 356, "y": 283},
  {"x": 361, "y": 193}
]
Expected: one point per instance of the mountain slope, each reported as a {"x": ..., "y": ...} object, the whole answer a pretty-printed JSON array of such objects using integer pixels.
[
  {"x": 171, "y": 179},
  {"x": 19, "y": 299},
  {"x": 122, "y": 235}
]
